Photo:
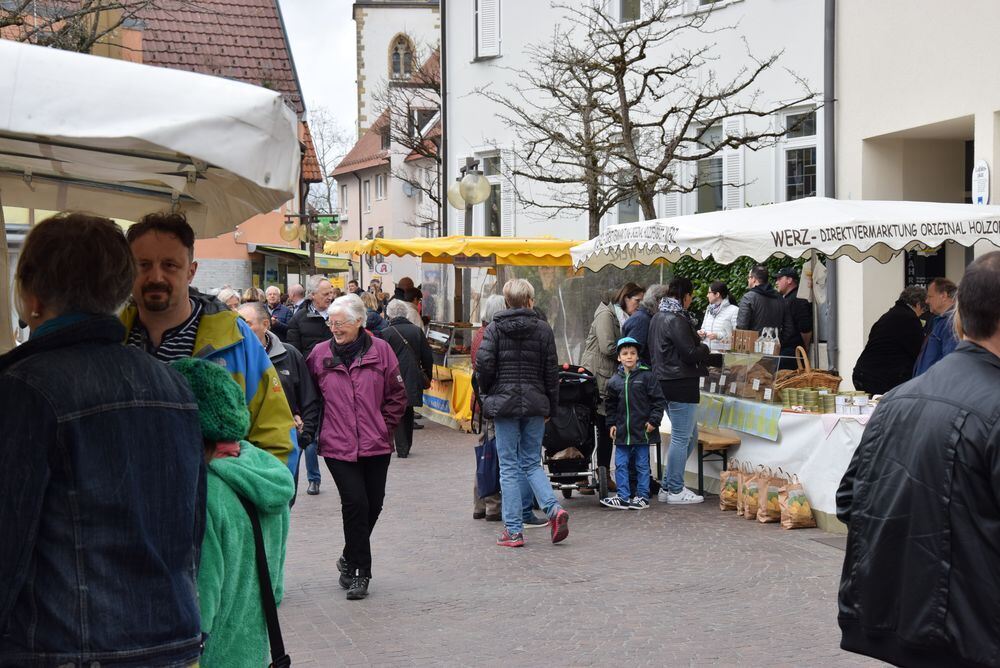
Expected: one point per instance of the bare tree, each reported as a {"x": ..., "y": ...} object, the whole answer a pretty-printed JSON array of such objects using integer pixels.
[
  {"x": 73, "y": 25},
  {"x": 562, "y": 136},
  {"x": 609, "y": 109},
  {"x": 412, "y": 130},
  {"x": 332, "y": 141}
]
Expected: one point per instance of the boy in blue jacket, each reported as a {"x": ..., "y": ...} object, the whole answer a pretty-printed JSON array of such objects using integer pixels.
[{"x": 634, "y": 406}]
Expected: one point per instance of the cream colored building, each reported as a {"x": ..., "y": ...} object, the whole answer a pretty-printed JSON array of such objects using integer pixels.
[{"x": 918, "y": 103}]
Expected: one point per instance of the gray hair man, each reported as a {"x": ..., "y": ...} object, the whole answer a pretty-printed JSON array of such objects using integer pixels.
[
  {"x": 279, "y": 314},
  {"x": 300, "y": 390}
]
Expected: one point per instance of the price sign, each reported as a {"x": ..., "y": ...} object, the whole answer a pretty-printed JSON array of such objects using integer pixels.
[
  {"x": 767, "y": 394},
  {"x": 701, "y": 383},
  {"x": 732, "y": 388},
  {"x": 722, "y": 380},
  {"x": 712, "y": 388},
  {"x": 756, "y": 384}
]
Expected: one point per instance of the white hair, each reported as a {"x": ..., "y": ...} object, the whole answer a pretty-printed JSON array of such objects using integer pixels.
[
  {"x": 225, "y": 294},
  {"x": 314, "y": 283},
  {"x": 272, "y": 287},
  {"x": 396, "y": 309},
  {"x": 351, "y": 306},
  {"x": 490, "y": 307}
]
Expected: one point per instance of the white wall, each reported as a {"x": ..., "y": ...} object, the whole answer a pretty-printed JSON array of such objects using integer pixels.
[
  {"x": 377, "y": 28},
  {"x": 768, "y": 26}
]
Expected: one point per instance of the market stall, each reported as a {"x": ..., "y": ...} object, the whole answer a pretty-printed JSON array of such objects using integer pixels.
[
  {"x": 122, "y": 139},
  {"x": 448, "y": 399},
  {"x": 805, "y": 430}
]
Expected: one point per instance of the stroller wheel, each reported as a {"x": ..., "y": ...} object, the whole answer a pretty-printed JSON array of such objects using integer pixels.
[
  {"x": 567, "y": 493},
  {"x": 602, "y": 482}
]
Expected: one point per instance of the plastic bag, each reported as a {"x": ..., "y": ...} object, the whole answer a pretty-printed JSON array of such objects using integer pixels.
[
  {"x": 796, "y": 512},
  {"x": 729, "y": 486}
]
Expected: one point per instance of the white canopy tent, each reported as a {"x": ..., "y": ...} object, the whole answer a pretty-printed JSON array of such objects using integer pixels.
[
  {"x": 121, "y": 139},
  {"x": 851, "y": 228}
]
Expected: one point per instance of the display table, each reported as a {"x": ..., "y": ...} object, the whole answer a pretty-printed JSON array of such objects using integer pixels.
[
  {"x": 818, "y": 448},
  {"x": 448, "y": 400}
]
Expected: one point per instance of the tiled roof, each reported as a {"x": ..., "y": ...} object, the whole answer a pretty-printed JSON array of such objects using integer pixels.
[
  {"x": 368, "y": 152},
  {"x": 237, "y": 39},
  {"x": 312, "y": 171}
]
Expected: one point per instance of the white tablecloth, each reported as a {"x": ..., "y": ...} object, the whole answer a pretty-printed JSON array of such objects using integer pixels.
[{"x": 803, "y": 447}]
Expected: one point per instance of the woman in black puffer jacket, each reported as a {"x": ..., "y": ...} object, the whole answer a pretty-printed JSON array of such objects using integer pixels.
[
  {"x": 518, "y": 374},
  {"x": 679, "y": 359}
]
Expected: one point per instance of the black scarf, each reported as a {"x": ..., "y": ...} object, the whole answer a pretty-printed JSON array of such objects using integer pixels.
[{"x": 348, "y": 352}]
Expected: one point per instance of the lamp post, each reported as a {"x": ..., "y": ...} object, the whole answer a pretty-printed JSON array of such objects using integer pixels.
[
  {"x": 469, "y": 189},
  {"x": 309, "y": 228}
]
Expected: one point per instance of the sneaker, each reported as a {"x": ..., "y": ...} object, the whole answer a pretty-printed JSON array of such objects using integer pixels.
[
  {"x": 535, "y": 522},
  {"x": 359, "y": 586},
  {"x": 560, "y": 526},
  {"x": 312, "y": 489},
  {"x": 506, "y": 539},
  {"x": 345, "y": 573},
  {"x": 638, "y": 503},
  {"x": 615, "y": 502},
  {"x": 662, "y": 495},
  {"x": 684, "y": 497}
]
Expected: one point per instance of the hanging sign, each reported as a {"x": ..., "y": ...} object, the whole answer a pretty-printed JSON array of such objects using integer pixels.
[{"x": 981, "y": 183}]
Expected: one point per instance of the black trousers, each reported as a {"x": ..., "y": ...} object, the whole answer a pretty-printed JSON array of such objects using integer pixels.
[
  {"x": 403, "y": 435},
  {"x": 362, "y": 489},
  {"x": 605, "y": 448}
]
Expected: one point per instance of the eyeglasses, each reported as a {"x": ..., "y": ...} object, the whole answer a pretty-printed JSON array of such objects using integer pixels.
[{"x": 340, "y": 323}]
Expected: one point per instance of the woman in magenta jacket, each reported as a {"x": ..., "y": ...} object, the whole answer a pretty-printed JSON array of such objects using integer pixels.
[{"x": 364, "y": 399}]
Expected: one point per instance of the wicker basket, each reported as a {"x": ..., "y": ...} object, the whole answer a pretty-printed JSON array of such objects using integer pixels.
[{"x": 806, "y": 376}]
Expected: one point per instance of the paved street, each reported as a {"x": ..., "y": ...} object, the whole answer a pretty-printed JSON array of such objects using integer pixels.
[{"x": 665, "y": 586}]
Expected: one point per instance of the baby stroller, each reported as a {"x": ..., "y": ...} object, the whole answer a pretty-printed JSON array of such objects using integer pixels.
[{"x": 574, "y": 427}]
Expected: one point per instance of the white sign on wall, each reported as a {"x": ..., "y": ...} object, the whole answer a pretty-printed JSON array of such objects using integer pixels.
[
  {"x": 383, "y": 268},
  {"x": 981, "y": 183}
]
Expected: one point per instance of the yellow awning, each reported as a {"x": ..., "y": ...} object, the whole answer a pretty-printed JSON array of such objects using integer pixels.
[
  {"x": 516, "y": 251},
  {"x": 334, "y": 264}
]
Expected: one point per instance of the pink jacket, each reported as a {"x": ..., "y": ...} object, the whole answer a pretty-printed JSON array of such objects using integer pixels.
[{"x": 361, "y": 407}]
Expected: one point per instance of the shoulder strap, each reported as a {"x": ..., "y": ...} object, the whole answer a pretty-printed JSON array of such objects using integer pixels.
[
  {"x": 279, "y": 659},
  {"x": 396, "y": 332}
]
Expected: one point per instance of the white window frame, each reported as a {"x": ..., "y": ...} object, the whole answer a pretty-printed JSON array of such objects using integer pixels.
[
  {"x": 344, "y": 199},
  {"x": 366, "y": 194},
  {"x": 695, "y": 6},
  {"x": 692, "y": 197},
  {"x": 380, "y": 186},
  {"x": 786, "y": 144},
  {"x": 479, "y": 212},
  {"x": 481, "y": 50}
]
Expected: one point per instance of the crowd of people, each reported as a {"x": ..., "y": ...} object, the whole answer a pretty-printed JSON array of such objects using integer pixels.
[{"x": 179, "y": 421}]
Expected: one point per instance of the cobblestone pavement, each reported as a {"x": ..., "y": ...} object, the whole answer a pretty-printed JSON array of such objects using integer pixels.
[{"x": 666, "y": 586}]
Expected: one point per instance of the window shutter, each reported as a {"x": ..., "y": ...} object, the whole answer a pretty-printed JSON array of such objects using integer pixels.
[
  {"x": 670, "y": 204},
  {"x": 507, "y": 199},
  {"x": 733, "y": 196},
  {"x": 487, "y": 28}
]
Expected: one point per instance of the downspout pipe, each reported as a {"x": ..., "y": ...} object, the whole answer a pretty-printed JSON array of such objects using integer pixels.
[
  {"x": 361, "y": 231},
  {"x": 830, "y": 166},
  {"x": 443, "y": 169}
]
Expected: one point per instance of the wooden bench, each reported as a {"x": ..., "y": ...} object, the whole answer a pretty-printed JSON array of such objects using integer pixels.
[{"x": 713, "y": 445}]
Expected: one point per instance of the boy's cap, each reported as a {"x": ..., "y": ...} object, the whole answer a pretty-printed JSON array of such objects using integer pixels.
[{"x": 626, "y": 341}]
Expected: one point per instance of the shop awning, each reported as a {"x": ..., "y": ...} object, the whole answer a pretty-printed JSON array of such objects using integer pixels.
[
  {"x": 516, "y": 251},
  {"x": 327, "y": 262},
  {"x": 857, "y": 229}
]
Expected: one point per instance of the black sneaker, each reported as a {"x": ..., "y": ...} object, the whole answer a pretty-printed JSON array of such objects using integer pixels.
[
  {"x": 359, "y": 586},
  {"x": 345, "y": 573},
  {"x": 615, "y": 503},
  {"x": 535, "y": 522},
  {"x": 638, "y": 503}
]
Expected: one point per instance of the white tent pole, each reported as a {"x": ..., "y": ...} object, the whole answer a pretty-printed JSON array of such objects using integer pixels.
[{"x": 6, "y": 326}]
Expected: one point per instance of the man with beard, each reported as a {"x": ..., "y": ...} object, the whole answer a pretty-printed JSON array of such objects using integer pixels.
[{"x": 171, "y": 320}]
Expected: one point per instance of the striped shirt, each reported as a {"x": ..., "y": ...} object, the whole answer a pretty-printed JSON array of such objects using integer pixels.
[{"x": 177, "y": 342}]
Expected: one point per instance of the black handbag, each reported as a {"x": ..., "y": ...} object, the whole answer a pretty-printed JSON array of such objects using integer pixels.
[{"x": 279, "y": 659}]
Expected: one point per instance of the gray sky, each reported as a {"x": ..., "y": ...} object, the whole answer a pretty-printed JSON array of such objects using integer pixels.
[{"x": 323, "y": 41}]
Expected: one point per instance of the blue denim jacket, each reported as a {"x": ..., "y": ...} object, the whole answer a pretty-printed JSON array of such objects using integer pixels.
[{"x": 102, "y": 484}]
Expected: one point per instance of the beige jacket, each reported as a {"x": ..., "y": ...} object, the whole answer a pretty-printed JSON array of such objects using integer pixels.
[{"x": 600, "y": 355}]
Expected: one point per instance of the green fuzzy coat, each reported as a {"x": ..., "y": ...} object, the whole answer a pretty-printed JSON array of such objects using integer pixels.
[{"x": 231, "y": 612}]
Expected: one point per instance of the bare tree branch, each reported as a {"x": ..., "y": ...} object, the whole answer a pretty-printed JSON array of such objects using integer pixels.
[{"x": 332, "y": 142}]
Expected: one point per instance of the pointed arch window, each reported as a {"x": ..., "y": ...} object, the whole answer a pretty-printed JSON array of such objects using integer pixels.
[{"x": 401, "y": 58}]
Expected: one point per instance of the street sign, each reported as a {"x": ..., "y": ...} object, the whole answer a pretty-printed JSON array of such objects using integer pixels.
[
  {"x": 383, "y": 268},
  {"x": 981, "y": 182}
]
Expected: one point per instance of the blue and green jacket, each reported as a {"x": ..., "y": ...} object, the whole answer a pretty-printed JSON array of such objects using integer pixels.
[
  {"x": 633, "y": 400},
  {"x": 224, "y": 338}
]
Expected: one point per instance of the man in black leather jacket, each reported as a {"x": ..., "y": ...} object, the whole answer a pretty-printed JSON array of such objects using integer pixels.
[
  {"x": 762, "y": 306},
  {"x": 921, "y": 499}
]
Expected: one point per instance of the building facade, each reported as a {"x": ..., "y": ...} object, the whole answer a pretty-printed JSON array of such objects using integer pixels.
[{"x": 911, "y": 125}]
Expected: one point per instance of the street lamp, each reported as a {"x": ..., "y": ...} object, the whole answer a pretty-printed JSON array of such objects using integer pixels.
[{"x": 469, "y": 189}]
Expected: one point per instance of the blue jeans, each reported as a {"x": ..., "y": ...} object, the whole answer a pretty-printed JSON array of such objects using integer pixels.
[
  {"x": 683, "y": 439},
  {"x": 312, "y": 462},
  {"x": 519, "y": 449},
  {"x": 627, "y": 459}
]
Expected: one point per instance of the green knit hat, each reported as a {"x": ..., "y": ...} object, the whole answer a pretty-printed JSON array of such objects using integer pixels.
[{"x": 222, "y": 408}]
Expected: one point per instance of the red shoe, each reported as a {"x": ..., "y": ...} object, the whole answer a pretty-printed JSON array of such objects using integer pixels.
[
  {"x": 508, "y": 540},
  {"x": 560, "y": 526}
]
